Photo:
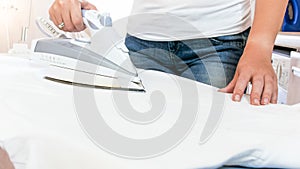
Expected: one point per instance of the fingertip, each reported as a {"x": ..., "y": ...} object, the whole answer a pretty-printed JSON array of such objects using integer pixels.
[
  {"x": 255, "y": 102},
  {"x": 236, "y": 97},
  {"x": 79, "y": 29},
  {"x": 79, "y": 26},
  {"x": 265, "y": 101},
  {"x": 274, "y": 100}
]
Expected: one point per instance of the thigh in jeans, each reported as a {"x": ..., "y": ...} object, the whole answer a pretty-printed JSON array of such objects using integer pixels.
[
  {"x": 149, "y": 55},
  {"x": 216, "y": 63},
  {"x": 208, "y": 71}
]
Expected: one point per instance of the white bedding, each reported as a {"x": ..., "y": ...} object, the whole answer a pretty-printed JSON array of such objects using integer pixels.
[{"x": 40, "y": 129}]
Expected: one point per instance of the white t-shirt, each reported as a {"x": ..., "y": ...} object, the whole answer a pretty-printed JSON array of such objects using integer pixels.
[{"x": 164, "y": 20}]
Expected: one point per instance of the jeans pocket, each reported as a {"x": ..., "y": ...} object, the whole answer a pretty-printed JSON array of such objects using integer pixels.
[
  {"x": 215, "y": 41},
  {"x": 238, "y": 40}
]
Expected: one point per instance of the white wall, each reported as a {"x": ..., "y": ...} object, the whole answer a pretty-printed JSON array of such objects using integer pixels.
[{"x": 14, "y": 14}]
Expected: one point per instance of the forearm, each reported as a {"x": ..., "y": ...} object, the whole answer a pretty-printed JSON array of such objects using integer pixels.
[{"x": 266, "y": 24}]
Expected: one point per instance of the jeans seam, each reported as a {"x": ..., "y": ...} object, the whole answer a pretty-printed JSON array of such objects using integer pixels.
[{"x": 172, "y": 51}]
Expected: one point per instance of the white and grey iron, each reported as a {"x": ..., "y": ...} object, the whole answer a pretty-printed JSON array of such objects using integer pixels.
[{"x": 100, "y": 61}]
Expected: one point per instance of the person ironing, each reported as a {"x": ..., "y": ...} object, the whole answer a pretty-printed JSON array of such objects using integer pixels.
[{"x": 245, "y": 53}]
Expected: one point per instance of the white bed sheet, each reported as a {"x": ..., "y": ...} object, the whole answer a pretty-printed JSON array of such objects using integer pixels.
[{"x": 39, "y": 126}]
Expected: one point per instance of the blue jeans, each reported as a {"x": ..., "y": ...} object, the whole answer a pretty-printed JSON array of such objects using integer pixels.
[{"x": 211, "y": 61}]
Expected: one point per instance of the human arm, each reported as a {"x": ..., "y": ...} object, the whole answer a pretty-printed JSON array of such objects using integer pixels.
[
  {"x": 5, "y": 162},
  {"x": 69, "y": 13},
  {"x": 255, "y": 64}
]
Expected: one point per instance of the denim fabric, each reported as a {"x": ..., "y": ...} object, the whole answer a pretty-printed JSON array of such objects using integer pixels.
[{"x": 211, "y": 61}]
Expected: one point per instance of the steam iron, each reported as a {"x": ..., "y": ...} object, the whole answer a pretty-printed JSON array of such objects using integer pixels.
[{"x": 101, "y": 61}]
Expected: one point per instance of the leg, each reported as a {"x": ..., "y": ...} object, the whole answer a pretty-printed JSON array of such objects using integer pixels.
[
  {"x": 209, "y": 71},
  {"x": 149, "y": 55}
]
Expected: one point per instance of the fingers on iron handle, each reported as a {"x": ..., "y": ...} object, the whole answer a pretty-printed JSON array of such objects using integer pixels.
[
  {"x": 87, "y": 5},
  {"x": 53, "y": 16},
  {"x": 66, "y": 17},
  {"x": 257, "y": 89},
  {"x": 76, "y": 18},
  {"x": 56, "y": 11}
]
